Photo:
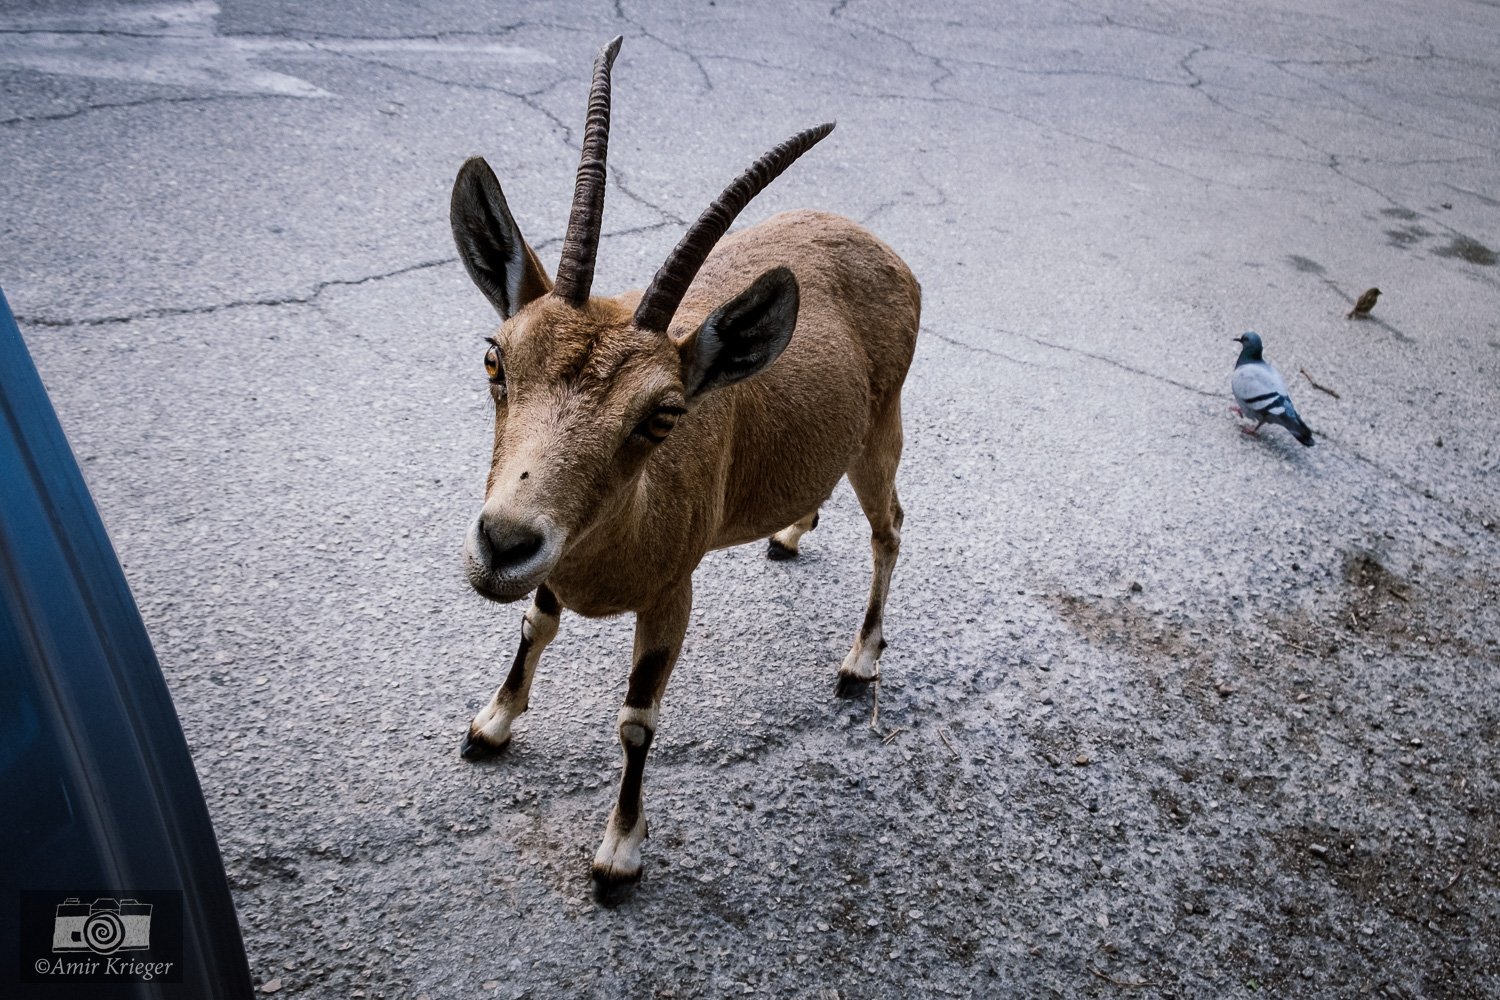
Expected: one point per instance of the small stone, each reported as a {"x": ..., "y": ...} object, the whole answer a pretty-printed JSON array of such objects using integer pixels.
[
  {"x": 490, "y": 984},
  {"x": 271, "y": 987},
  {"x": 1081, "y": 760},
  {"x": 1318, "y": 851},
  {"x": 1135, "y": 586},
  {"x": 1224, "y": 689}
]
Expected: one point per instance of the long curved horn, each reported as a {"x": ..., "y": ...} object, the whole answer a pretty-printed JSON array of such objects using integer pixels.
[
  {"x": 666, "y": 290},
  {"x": 575, "y": 272}
]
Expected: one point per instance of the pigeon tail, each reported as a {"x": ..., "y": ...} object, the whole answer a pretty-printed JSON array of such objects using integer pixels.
[
  {"x": 1283, "y": 413},
  {"x": 1301, "y": 432}
]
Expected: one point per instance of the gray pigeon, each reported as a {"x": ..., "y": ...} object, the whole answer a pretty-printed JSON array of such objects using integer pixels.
[{"x": 1261, "y": 392}]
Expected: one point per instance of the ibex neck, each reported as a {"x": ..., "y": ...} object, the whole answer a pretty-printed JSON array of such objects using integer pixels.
[{"x": 627, "y": 555}]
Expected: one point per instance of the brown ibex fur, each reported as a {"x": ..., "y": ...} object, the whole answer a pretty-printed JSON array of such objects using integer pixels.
[{"x": 634, "y": 435}]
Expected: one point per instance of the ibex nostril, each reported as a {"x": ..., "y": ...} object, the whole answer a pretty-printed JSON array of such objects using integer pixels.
[
  {"x": 519, "y": 550},
  {"x": 511, "y": 545}
]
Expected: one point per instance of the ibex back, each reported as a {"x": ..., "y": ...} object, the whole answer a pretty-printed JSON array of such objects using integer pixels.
[{"x": 634, "y": 434}]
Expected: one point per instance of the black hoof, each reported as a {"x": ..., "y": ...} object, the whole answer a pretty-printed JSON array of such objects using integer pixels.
[
  {"x": 610, "y": 892},
  {"x": 476, "y": 747},
  {"x": 775, "y": 550},
  {"x": 849, "y": 687}
]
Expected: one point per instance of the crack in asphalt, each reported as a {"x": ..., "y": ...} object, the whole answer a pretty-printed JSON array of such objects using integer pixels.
[
  {"x": 101, "y": 32},
  {"x": 802, "y": 72},
  {"x": 285, "y": 300},
  {"x": 692, "y": 57},
  {"x": 1483, "y": 199},
  {"x": 198, "y": 33},
  {"x": 928, "y": 331},
  {"x": 1106, "y": 359},
  {"x": 526, "y": 97},
  {"x": 296, "y": 35},
  {"x": 529, "y": 99},
  {"x": 945, "y": 71},
  {"x": 143, "y": 102},
  {"x": 1363, "y": 111}
]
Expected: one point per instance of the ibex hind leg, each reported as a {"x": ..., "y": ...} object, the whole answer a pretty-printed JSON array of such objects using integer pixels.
[
  {"x": 873, "y": 476},
  {"x": 784, "y": 544}
]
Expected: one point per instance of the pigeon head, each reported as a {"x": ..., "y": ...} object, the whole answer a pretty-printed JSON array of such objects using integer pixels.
[{"x": 1249, "y": 347}]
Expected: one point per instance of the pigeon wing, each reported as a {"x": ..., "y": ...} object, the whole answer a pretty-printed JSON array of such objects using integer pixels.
[{"x": 1256, "y": 387}]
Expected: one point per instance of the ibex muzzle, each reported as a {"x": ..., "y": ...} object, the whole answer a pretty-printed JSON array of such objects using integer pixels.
[{"x": 634, "y": 434}]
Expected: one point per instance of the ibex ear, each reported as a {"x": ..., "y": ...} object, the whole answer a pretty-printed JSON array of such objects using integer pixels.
[
  {"x": 743, "y": 335},
  {"x": 490, "y": 243}
]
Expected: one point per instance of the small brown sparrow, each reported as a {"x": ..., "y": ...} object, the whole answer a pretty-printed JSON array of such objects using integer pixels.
[{"x": 1365, "y": 304}]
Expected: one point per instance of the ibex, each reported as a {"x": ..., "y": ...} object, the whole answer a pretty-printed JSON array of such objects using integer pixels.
[{"x": 634, "y": 434}]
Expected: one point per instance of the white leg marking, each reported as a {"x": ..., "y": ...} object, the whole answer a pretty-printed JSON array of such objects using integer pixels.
[
  {"x": 863, "y": 660},
  {"x": 619, "y": 856},
  {"x": 791, "y": 536}
]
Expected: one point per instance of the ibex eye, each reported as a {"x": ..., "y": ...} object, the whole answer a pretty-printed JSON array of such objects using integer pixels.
[
  {"x": 659, "y": 424},
  {"x": 492, "y": 365}
]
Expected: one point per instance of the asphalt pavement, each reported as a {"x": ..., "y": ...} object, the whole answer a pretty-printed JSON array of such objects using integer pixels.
[{"x": 1167, "y": 710}]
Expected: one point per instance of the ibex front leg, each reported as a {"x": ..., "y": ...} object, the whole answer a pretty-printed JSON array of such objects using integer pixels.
[
  {"x": 658, "y": 639},
  {"x": 490, "y": 730}
]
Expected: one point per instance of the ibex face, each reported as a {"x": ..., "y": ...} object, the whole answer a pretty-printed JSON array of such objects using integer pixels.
[
  {"x": 582, "y": 398},
  {"x": 584, "y": 387},
  {"x": 630, "y": 436}
]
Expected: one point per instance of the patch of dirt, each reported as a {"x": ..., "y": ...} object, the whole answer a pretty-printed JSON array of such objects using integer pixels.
[
  {"x": 1383, "y": 606},
  {"x": 556, "y": 851},
  {"x": 1124, "y": 625}
]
